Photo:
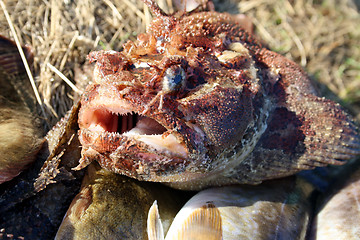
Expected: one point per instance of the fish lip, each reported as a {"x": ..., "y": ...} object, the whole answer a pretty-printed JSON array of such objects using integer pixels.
[{"x": 104, "y": 137}]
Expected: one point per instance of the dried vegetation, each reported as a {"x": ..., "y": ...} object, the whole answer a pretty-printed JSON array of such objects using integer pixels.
[{"x": 323, "y": 36}]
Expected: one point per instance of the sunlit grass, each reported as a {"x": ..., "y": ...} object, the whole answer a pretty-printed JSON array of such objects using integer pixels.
[{"x": 323, "y": 36}]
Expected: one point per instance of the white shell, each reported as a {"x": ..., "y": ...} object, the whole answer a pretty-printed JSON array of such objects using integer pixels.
[
  {"x": 278, "y": 210},
  {"x": 339, "y": 217}
]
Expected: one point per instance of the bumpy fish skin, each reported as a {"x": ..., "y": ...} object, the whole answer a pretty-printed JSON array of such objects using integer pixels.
[
  {"x": 197, "y": 102},
  {"x": 279, "y": 209},
  {"x": 111, "y": 206},
  {"x": 338, "y": 215}
]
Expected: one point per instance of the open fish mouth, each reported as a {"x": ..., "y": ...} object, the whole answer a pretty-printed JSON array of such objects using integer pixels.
[
  {"x": 130, "y": 123},
  {"x": 106, "y": 127}
]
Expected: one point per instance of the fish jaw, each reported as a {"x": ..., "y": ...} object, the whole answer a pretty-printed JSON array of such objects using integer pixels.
[{"x": 124, "y": 139}]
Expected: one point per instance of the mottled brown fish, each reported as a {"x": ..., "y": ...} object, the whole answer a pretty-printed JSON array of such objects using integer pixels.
[
  {"x": 197, "y": 101},
  {"x": 33, "y": 204},
  {"x": 24, "y": 211},
  {"x": 111, "y": 206}
]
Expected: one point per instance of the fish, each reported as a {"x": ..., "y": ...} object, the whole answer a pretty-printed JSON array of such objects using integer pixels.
[
  {"x": 198, "y": 102},
  {"x": 36, "y": 180},
  {"x": 113, "y": 206},
  {"x": 21, "y": 134},
  {"x": 338, "y": 213},
  {"x": 33, "y": 204},
  {"x": 20, "y": 139},
  {"x": 277, "y": 209}
]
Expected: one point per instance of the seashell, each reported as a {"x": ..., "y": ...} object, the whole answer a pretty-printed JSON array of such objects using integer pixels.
[{"x": 279, "y": 209}]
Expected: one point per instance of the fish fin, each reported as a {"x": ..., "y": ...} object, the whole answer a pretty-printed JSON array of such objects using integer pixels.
[
  {"x": 310, "y": 132},
  {"x": 63, "y": 147},
  {"x": 202, "y": 224},
  {"x": 154, "y": 226},
  {"x": 83, "y": 163},
  {"x": 331, "y": 137},
  {"x": 303, "y": 123},
  {"x": 303, "y": 131}
]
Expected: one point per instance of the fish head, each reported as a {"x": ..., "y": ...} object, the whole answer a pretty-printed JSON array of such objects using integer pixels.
[{"x": 172, "y": 101}]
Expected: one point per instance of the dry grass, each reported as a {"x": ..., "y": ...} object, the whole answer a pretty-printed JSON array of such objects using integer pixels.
[
  {"x": 323, "y": 36},
  {"x": 62, "y": 33}
]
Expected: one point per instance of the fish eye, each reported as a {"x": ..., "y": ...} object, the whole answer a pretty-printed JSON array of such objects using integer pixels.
[{"x": 174, "y": 79}]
